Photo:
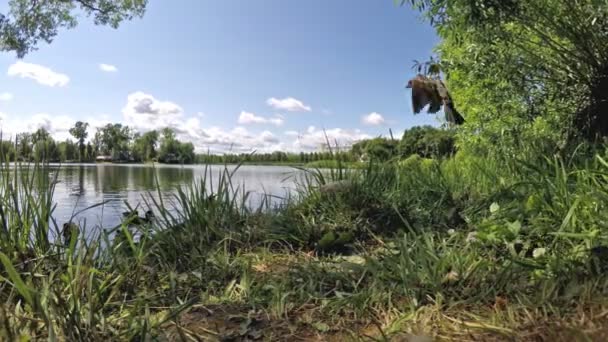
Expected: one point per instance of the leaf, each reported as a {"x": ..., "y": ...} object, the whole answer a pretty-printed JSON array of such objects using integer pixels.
[
  {"x": 320, "y": 326},
  {"x": 538, "y": 252},
  {"x": 515, "y": 227},
  {"x": 494, "y": 207},
  {"x": 18, "y": 283}
]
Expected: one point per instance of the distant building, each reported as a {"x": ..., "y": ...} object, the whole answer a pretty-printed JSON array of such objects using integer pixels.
[{"x": 103, "y": 159}]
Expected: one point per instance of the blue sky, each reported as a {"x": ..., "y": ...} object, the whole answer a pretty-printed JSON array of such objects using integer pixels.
[{"x": 240, "y": 75}]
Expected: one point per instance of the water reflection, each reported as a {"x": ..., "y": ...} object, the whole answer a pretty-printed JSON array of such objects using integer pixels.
[{"x": 83, "y": 186}]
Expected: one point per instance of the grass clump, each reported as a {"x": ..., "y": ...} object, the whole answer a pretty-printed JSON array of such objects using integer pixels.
[{"x": 458, "y": 248}]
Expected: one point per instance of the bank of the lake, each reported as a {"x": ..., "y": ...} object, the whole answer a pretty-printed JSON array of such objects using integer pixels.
[{"x": 423, "y": 247}]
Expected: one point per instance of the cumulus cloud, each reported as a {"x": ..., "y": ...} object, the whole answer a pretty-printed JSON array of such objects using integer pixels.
[
  {"x": 237, "y": 140},
  {"x": 247, "y": 118},
  {"x": 145, "y": 112},
  {"x": 57, "y": 125},
  {"x": 314, "y": 139},
  {"x": 289, "y": 104},
  {"x": 373, "y": 119},
  {"x": 38, "y": 73},
  {"x": 108, "y": 67},
  {"x": 6, "y": 97}
]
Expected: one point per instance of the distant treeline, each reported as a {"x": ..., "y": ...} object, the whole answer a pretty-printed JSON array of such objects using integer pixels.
[
  {"x": 425, "y": 141},
  {"x": 113, "y": 142},
  {"x": 118, "y": 143},
  {"x": 276, "y": 157}
]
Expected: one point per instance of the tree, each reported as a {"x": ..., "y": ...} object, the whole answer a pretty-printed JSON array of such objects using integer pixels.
[
  {"x": 114, "y": 140},
  {"x": 29, "y": 22},
  {"x": 79, "y": 131},
  {"x": 145, "y": 145},
  {"x": 68, "y": 151},
  {"x": 24, "y": 146},
  {"x": 520, "y": 66},
  {"x": 45, "y": 150},
  {"x": 90, "y": 152},
  {"x": 169, "y": 146},
  {"x": 378, "y": 149},
  {"x": 427, "y": 141},
  {"x": 41, "y": 134}
]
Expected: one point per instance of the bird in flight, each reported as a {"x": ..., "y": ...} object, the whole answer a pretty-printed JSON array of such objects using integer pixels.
[{"x": 433, "y": 92}]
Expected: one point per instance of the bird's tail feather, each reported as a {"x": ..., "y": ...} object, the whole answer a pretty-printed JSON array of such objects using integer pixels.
[{"x": 452, "y": 115}]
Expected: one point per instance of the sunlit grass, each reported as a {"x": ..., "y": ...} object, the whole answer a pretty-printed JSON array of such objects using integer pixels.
[{"x": 462, "y": 248}]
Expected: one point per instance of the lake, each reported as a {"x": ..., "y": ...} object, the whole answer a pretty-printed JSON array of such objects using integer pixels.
[{"x": 84, "y": 185}]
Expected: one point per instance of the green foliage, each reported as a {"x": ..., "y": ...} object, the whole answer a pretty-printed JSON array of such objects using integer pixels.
[
  {"x": 79, "y": 132},
  {"x": 526, "y": 74},
  {"x": 114, "y": 141},
  {"x": 145, "y": 146},
  {"x": 377, "y": 149},
  {"x": 173, "y": 151},
  {"x": 29, "y": 22},
  {"x": 427, "y": 141}
]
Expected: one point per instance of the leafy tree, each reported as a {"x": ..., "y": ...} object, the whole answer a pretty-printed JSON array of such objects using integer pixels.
[
  {"x": 378, "y": 149},
  {"x": 174, "y": 151},
  {"x": 144, "y": 146},
  {"x": 79, "y": 131},
  {"x": 28, "y": 21},
  {"x": 41, "y": 134},
  {"x": 527, "y": 74},
  {"x": 68, "y": 151},
  {"x": 114, "y": 140},
  {"x": 427, "y": 141},
  {"x": 45, "y": 150},
  {"x": 24, "y": 146},
  {"x": 90, "y": 152}
]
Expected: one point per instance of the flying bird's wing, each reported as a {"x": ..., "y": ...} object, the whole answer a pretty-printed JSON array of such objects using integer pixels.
[
  {"x": 451, "y": 114},
  {"x": 420, "y": 94},
  {"x": 436, "y": 101}
]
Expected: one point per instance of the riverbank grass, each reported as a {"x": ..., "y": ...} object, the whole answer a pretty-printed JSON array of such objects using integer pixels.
[{"x": 458, "y": 249}]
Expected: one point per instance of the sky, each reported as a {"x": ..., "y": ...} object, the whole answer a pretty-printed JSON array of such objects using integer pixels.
[{"x": 228, "y": 75}]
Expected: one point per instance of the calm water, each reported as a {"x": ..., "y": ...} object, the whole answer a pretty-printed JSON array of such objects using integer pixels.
[{"x": 82, "y": 186}]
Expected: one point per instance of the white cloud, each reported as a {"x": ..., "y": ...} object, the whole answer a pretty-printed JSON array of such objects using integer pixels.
[
  {"x": 289, "y": 104},
  {"x": 291, "y": 133},
  {"x": 314, "y": 139},
  {"x": 108, "y": 67},
  {"x": 6, "y": 97},
  {"x": 237, "y": 140},
  {"x": 145, "y": 113},
  {"x": 57, "y": 125},
  {"x": 247, "y": 118},
  {"x": 38, "y": 73},
  {"x": 373, "y": 119}
]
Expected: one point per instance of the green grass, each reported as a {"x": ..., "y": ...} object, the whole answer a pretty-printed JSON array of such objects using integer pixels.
[
  {"x": 333, "y": 164},
  {"x": 465, "y": 248}
]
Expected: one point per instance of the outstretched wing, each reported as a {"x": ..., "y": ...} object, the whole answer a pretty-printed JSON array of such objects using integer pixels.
[
  {"x": 423, "y": 94},
  {"x": 451, "y": 114},
  {"x": 420, "y": 94}
]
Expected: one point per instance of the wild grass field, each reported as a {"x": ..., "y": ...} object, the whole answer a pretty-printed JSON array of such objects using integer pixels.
[{"x": 462, "y": 248}]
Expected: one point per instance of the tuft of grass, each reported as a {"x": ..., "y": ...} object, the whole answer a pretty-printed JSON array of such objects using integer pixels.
[{"x": 462, "y": 248}]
